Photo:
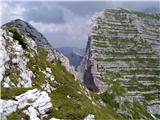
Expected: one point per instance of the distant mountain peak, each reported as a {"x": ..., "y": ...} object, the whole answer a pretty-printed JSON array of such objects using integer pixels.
[{"x": 74, "y": 55}]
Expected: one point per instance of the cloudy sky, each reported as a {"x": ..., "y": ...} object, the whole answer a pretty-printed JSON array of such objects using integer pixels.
[{"x": 65, "y": 23}]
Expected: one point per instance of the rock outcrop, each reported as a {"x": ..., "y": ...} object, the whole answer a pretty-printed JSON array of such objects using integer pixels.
[
  {"x": 122, "y": 60},
  {"x": 27, "y": 61},
  {"x": 37, "y": 81},
  {"x": 89, "y": 117},
  {"x": 14, "y": 52},
  {"x": 36, "y": 103}
]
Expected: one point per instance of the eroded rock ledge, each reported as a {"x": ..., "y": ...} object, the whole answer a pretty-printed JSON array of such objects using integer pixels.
[{"x": 122, "y": 58}]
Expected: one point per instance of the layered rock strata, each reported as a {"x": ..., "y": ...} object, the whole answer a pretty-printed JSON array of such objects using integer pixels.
[{"x": 123, "y": 57}]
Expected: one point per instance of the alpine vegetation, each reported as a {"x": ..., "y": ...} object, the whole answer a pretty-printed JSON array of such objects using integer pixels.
[{"x": 118, "y": 78}]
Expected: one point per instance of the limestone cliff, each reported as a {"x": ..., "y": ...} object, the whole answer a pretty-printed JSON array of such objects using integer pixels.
[{"x": 122, "y": 61}]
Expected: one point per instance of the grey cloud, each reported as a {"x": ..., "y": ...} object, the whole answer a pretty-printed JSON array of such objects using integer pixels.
[
  {"x": 45, "y": 12},
  {"x": 89, "y": 8},
  {"x": 145, "y": 6},
  {"x": 69, "y": 17},
  {"x": 51, "y": 13},
  {"x": 62, "y": 40},
  {"x": 54, "y": 12},
  {"x": 84, "y": 8}
]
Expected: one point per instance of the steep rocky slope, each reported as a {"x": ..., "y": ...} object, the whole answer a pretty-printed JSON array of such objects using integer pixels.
[
  {"x": 37, "y": 81},
  {"x": 75, "y": 55},
  {"x": 122, "y": 61}
]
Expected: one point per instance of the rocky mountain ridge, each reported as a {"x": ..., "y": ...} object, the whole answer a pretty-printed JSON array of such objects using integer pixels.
[
  {"x": 20, "y": 44},
  {"x": 123, "y": 58},
  {"x": 37, "y": 81}
]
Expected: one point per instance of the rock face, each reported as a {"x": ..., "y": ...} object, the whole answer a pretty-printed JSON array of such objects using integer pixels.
[
  {"x": 36, "y": 103},
  {"x": 123, "y": 58},
  {"x": 28, "y": 61},
  {"x": 14, "y": 51},
  {"x": 75, "y": 55},
  {"x": 24, "y": 59}
]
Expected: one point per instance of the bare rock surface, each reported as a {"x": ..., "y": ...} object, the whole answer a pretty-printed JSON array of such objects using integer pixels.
[
  {"x": 35, "y": 102},
  {"x": 122, "y": 58}
]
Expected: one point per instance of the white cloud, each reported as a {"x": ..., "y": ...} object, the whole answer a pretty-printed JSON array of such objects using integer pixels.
[
  {"x": 10, "y": 12},
  {"x": 18, "y": 11},
  {"x": 74, "y": 30}
]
